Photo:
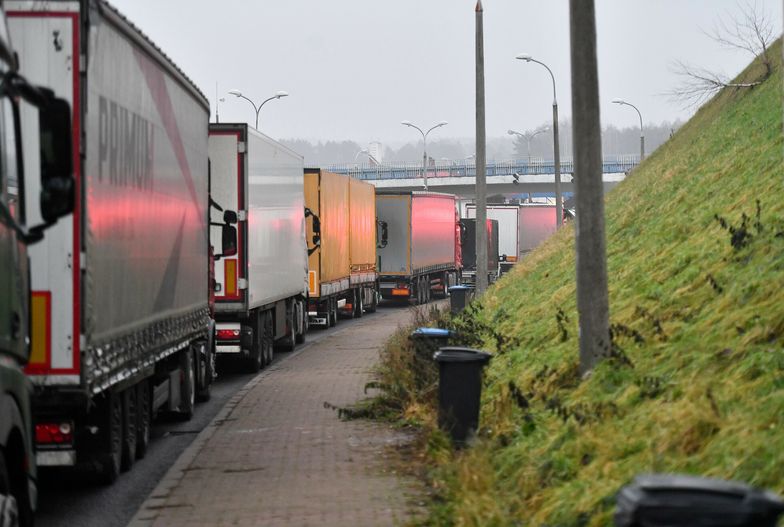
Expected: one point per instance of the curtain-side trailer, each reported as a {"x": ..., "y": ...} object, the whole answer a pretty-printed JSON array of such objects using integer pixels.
[
  {"x": 342, "y": 258},
  {"x": 120, "y": 317},
  {"x": 422, "y": 249},
  {"x": 260, "y": 293}
]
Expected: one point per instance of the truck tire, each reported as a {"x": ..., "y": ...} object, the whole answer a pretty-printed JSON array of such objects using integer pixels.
[
  {"x": 206, "y": 368},
  {"x": 187, "y": 386},
  {"x": 359, "y": 302},
  {"x": 9, "y": 508},
  {"x": 333, "y": 313},
  {"x": 144, "y": 418},
  {"x": 257, "y": 354},
  {"x": 130, "y": 420},
  {"x": 289, "y": 342},
  {"x": 110, "y": 458},
  {"x": 302, "y": 322},
  {"x": 373, "y": 306}
]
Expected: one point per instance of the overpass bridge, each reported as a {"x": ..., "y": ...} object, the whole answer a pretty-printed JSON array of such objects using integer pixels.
[{"x": 508, "y": 177}]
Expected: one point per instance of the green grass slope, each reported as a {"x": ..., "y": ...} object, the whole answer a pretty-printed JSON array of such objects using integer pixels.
[{"x": 696, "y": 384}]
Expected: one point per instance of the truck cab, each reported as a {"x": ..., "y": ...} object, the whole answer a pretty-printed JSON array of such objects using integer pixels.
[{"x": 17, "y": 461}]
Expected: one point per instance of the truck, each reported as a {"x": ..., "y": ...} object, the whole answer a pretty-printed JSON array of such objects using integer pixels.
[
  {"x": 342, "y": 276},
  {"x": 468, "y": 241},
  {"x": 49, "y": 188},
  {"x": 120, "y": 325},
  {"x": 521, "y": 228},
  {"x": 260, "y": 293},
  {"x": 422, "y": 250}
]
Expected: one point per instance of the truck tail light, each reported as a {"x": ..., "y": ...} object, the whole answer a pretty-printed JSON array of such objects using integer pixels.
[
  {"x": 228, "y": 334},
  {"x": 54, "y": 433}
]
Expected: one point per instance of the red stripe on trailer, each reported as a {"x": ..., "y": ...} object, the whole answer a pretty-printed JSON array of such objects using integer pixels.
[
  {"x": 240, "y": 198},
  {"x": 77, "y": 164}
]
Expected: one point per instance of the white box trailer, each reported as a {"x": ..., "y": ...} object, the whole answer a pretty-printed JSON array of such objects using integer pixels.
[
  {"x": 521, "y": 228},
  {"x": 120, "y": 316},
  {"x": 509, "y": 219},
  {"x": 260, "y": 293}
]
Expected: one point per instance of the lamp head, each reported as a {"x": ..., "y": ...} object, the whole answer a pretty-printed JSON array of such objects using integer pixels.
[
  {"x": 443, "y": 123},
  {"x": 524, "y": 56},
  {"x": 618, "y": 101},
  {"x": 511, "y": 132},
  {"x": 406, "y": 123},
  {"x": 236, "y": 93},
  {"x": 281, "y": 93}
]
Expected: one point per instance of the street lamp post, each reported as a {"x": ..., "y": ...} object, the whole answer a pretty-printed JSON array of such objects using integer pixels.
[
  {"x": 424, "y": 142},
  {"x": 527, "y": 136},
  {"x": 556, "y": 148},
  {"x": 642, "y": 136},
  {"x": 277, "y": 95}
]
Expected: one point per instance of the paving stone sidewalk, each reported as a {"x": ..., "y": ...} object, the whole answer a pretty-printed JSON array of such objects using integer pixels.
[{"x": 276, "y": 456}]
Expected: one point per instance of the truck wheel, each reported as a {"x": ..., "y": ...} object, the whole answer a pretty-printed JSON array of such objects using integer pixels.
[
  {"x": 144, "y": 418},
  {"x": 130, "y": 418},
  {"x": 9, "y": 509},
  {"x": 359, "y": 303},
  {"x": 333, "y": 313},
  {"x": 110, "y": 459},
  {"x": 257, "y": 356},
  {"x": 289, "y": 342},
  {"x": 206, "y": 367},
  {"x": 302, "y": 322},
  {"x": 420, "y": 291},
  {"x": 373, "y": 303},
  {"x": 428, "y": 290},
  {"x": 187, "y": 386}
]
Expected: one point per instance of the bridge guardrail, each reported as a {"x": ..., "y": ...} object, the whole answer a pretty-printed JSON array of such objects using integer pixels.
[{"x": 502, "y": 168}]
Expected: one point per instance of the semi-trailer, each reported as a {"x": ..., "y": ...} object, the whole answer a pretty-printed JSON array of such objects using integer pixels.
[
  {"x": 521, "y": 228},
  {"x": 341, "y": 227},
  {"x": 468, "y": 241},
  {"x": 48, "y": 188},
  {"x": 260, "y": 293},
  {"x": 422, "y": 250},
  {"x": 120, "y": 323}
]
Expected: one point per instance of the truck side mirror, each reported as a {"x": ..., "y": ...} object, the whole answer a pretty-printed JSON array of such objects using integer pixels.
[
  {"x": 229, "y": 217},
  {"x": 57, "y": 183},
  {"x": 228, "y": 240}
]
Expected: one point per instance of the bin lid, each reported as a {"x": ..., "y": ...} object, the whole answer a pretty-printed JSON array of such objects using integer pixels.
[
  {"x": 458, "y": 354},
  {"x": 433, "y": 333},
  {"x": 460, "y": 288},
  {"x": 678, "y": 500}
]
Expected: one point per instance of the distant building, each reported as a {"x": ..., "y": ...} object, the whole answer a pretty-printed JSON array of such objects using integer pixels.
[{"x": 376, "y": 150}]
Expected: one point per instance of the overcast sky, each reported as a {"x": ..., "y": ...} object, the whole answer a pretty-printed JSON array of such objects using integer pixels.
[{"x": 356, "y": 68}]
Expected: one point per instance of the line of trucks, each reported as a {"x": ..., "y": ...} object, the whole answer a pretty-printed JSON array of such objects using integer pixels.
[{"x": 139, "y": 243}]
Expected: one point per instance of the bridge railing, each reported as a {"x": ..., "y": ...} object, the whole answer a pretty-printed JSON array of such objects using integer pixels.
[{"x": 621, "y": 164}]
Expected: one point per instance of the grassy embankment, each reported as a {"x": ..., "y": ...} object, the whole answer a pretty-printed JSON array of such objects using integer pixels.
[{"x": 696, "y": 384}]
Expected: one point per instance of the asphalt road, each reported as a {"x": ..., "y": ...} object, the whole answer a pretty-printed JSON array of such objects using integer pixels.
[{"x": 68, "y": 499}]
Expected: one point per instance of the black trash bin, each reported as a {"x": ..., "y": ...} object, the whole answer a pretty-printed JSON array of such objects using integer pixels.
[
  {"x": 459, "y": 390},
  {"x": 426, "y": 341},
  {"x": 460, "y": 295},
  {"x": 659, "y": 500}
]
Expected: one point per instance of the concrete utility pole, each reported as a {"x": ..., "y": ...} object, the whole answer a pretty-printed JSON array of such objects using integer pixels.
[
  {"x": 481, "y": 158},
  {"x": 592, "y": 299}
]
